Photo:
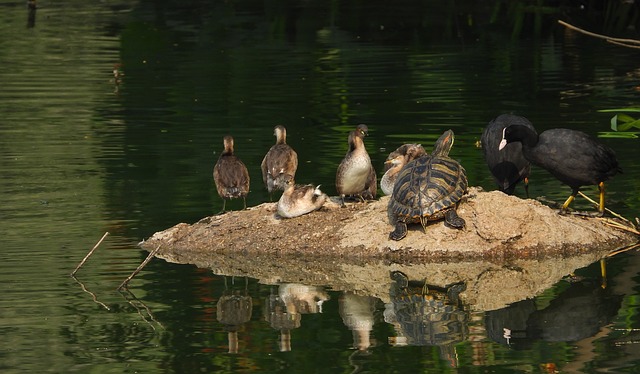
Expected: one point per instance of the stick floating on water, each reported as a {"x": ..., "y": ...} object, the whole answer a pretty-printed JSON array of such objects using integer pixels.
[
  {"x": 89, "y": 254},
  {"x": 142, "y": 265}
]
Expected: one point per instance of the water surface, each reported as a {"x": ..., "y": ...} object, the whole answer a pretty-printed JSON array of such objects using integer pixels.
[{"x": 84, "y": 151}]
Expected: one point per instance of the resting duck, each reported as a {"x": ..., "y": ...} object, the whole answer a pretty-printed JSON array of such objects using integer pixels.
[
  {"x": 279, "y": 162},
  {"x": 356, "y": 175},
  {"x": 230, "y": 175},
  {"x": 394, "y": 163},
  {"x": 297, "y": 200}
]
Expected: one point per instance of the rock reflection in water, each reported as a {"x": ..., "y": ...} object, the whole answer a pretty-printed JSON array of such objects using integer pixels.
[
  {"x": 284, "y": 310},
  {"x": 578, "y": 312}
]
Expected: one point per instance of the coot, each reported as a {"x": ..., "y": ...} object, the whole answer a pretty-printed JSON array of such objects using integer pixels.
[
  {"x": 572, "y": 156},
  {"x": 508, "y": 165}
]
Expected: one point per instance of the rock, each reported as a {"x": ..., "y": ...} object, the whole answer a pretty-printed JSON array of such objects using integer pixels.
[
  {"x": 511, "y": 249},
  {"x": 498, "y": 226}
]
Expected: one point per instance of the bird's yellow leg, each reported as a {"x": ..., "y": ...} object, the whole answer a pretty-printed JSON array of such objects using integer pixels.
[
  {"x": 569, "y": 200},
  {"x": 603, "y": 272},
  {"x": 601, "y": 206}
]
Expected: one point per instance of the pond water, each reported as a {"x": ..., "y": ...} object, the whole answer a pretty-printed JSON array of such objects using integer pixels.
[{"x": 112, "y": 116}]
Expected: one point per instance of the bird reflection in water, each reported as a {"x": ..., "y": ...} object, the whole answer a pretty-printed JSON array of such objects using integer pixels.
[
  {"x": 284, "y": 310},
  {"x": 357, "y": 314},
  {"x": 577, "y": 313},
  {"x": 234, "y": 310}
]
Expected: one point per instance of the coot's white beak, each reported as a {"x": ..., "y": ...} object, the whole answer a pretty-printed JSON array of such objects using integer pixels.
[{"x": 503, "y": 142}]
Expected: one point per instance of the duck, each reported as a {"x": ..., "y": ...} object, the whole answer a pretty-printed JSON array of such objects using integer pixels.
[
  {"x": 280, "y": 162},
  {"x": 508, "y": 166},
  {"x": 297, "y": 200},
  {"x": 356, "y": 175},
  {"x": 230, "y": 175},
  {"x": 571, "y": 156},
  {"x": 394, "y": 163}
]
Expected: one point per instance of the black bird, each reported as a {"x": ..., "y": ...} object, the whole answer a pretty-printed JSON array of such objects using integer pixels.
[
  {"x": 508, "y": 166},
  {"x": 573, "y": 157},
  {"x": 230, "y": 175}
]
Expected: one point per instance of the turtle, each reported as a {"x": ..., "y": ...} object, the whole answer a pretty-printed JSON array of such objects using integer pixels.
[
  {"x": 426, "y": 314},
  {"x": 428, "y": 188}
]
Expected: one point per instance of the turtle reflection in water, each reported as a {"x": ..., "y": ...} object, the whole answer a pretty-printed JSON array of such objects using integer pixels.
[{"x": 426, "y": 315}]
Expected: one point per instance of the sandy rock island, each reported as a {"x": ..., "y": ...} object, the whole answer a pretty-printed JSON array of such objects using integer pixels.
[{"x": 498, "y": 227}]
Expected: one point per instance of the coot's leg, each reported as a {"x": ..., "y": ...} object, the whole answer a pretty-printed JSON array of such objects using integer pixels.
[
  {"x": 565, "y": 206},
  {"x": 601, "y": 206}
]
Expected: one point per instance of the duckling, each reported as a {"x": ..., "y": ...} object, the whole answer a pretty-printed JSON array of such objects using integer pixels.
[
  {"x": 394, "y": 163},
  {"x": 297, "y": 199},
  {"x": 356, "y": 175},
  {"x": 230, "y": 175},
  {"x": 279, "y": 162}
]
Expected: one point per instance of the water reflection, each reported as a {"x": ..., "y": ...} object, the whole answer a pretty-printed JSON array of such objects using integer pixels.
[
  {"x": 284, "y": 310},
  {"x": 233, "y": 310},
  {"x": 578, "y": 312}
]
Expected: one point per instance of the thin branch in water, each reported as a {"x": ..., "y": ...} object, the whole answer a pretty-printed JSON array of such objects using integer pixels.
[
  {"x": 93, "y": 295},
  {"x": 142, "y": 265},
  {"x": 629, "y": 223},
  {"x": 89, "y": 254},
  {"x": 124, "y": 291},
  {"x": 622, "y": 250},
  {"x": 619, "y": 41}
]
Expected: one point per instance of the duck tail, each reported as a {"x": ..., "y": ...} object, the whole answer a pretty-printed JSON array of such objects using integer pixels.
[{"x": 317, "y": 191}]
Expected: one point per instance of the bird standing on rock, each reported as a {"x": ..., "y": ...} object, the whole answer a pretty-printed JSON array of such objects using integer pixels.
[
  {"x": 396, "y": 161},
  {"x": 508, "y": 165},
  {"x": 280, "y": 162},
  {"x": 571, "y": 156},
  {"x": 356, "y": 175},
  {"x": 230, "y": 175}
]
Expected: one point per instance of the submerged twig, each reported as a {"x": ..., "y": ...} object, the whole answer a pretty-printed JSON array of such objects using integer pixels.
[
  {"x": 89, "y": 254},
  {"x": 93, "y": 295},
  {"x": 630, "y": 43},
  {"x": 124, "y": 291},
  {"x": 622, "y": 250},
  {"x": 142, "y": 265}
]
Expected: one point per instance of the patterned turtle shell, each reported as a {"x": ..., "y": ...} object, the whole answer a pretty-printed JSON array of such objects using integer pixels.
[{"x": 428, "y": 186}]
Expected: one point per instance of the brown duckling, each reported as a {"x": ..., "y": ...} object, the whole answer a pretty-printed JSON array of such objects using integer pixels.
[
  {"x": 297, "y": 199},
  {"x": 356, "y": 175},
  {"x": 280, "y": 161},
  {"x": 394, "y": 163},
  {"x": 230, "y": 175}
]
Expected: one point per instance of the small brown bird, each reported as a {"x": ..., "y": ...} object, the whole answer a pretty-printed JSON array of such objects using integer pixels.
[
  {"x": 356, "y": 175},
  {"x": 230, "y": 175},
  {"x": 280, "y": 162},
  {"x": 396, "y": 161}
]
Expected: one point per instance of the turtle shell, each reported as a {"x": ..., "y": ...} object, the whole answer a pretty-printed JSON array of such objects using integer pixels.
[{"x": 426, "y": 188}]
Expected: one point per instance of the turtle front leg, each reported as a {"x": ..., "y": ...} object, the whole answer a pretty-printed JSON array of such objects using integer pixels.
[
  {"x": 452, "y": 219},
  {"x": 400, "y": 232}
]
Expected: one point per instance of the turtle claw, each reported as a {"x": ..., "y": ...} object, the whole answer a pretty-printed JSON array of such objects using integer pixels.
[
  {"x": 400, "y": 232},
  {"x": 452, "y": 219}
]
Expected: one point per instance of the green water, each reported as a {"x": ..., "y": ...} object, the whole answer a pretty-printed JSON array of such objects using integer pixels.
[{"x": 83, "y": 152}]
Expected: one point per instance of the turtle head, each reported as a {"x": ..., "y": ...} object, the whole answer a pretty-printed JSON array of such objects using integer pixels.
[{"x": 443, "y": 144}]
